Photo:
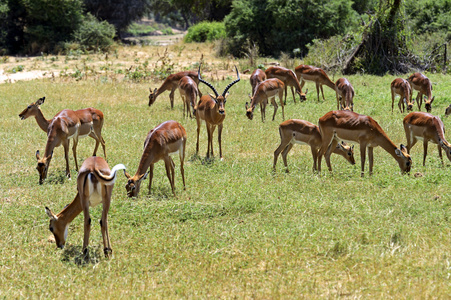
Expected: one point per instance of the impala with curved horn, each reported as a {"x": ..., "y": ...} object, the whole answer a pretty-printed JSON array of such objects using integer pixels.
[
  {"x": 95, "y": 184},
  {"x": 211, "y": 109}
]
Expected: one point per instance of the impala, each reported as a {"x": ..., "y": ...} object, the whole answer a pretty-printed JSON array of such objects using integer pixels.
[
  {"x": 162, "y": 141},
  {"x": 170, "y": 84},
  {"x": 289, "y": 78},
  {"x": 423, "y": 85},
  {"x": 266, "y": 89},
  {"x": 256, "y": 78},
  {"x": 188, "y": 91},
  {"x": 317, "y": 75},
  {"x": 428, "y": 128},
  {"x": 350, "y": 126},
  {"x": 345, "y": 91},
  {"x": 95, "y": 183},
  {"x": 88, "y": 117},
  {"x": 211, "y": 109},
  {"x": 401, "y": 87},
  {"x": 302, "y": 132},
  {"x": 448, "y": 111}
]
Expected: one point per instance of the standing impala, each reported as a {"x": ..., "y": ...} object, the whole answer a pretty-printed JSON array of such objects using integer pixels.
[
  {"x": 188, "y": 91},
  {"x": 302, "y": 132},
  {"x": 95, "y": 184},
  {"x": 401, "y": 87},
  {"x": 165, "y": 139},
  {"x": 211, "y": 109},
  {"x": 428, "y": 128},
  {"x": 88, "y": 117},
  {"x": 289, "y": 78},
  {"x": 266, "y": 89},
  {"x": 350, "y": 126},
  {"x": 423, "y": 85},
  {"x": 317, "y": 75},
  {"x": 170, "y": 84},
  {"x": 345, "y": 91}
]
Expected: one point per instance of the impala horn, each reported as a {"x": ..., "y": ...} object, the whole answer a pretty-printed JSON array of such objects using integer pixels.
[
  {"x": 208, "y": 84},
  {"x": 231, "y": 84}
]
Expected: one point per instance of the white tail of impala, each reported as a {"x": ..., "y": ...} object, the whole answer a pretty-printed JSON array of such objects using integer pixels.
[{"x": 95, "y": 183}]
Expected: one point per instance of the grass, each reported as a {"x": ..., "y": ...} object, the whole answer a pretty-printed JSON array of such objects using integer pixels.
[{"x": 239, "y": 230}]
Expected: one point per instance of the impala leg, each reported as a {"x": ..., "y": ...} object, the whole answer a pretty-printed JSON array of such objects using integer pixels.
[
  {"x": 198, "y": 131},
  {"x": 273, "y": 101},
  {"x": 172, "y": 171},
  {"x": 370, "y": 159},
  {"x": 399, "y": 105},
  {"x": 168, "y": 165},
  {"x": 392, "y": 100},
  {"x": 338, "y": 100},
  {"x": 440, "y": 154},
  {"x": 107, "y": 191},
  {"x": 331, "y": 147},
  {"x": 285, "y": 154},
  {"x": 66, "y": 156},
  {"x": 150, "y": 175},
  {"x": 182, "y": 159},
  {"x": 315, "y": 154},
  {"x": 263, "y": 109},
  {"x": 94, "y": 136},
  {"x": 286, "y": 93},
  {"x": 425, "y": 151},
  {"x": 327, "y": 139},
  {"x": 171, "y": 97},
  {"x": 283, "y": 145},
  {"x": 281, "y": 104},
  {"x": 317, "y": 90},
  {"x": 74, "y": 152},
  {"x": 322, "y": 92},
  {"x": 292, "y": 92},
  {"x": 219, "y": 139},
  {"x": 362, "y": 158},
  {"x": 87, "y": 219}
]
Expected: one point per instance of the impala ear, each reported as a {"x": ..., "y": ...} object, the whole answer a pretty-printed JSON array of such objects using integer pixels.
[
  {"x": 306, "y": 91},
  {"x": 38, "y": 157},
  {"x": 247, "y": 105},
  {"x": 50, "y": 214},
  {"x": 40, "y": 101},
  {"x": 144, "y": 176},
  {"x": 127, "y": 175},
  {"x": 432, "y": 100}
]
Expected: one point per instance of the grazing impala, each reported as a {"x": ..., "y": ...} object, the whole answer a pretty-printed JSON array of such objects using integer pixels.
[
  {"x": 345, "y": 91},
  {"x": 188, "y": 91},
  {"x": 266, "y": 89},
  {"x": 428, "y": 128},
  {"x": 401, "y": 87},
  {"x": 288, "y": 78},
  {"x": 95, "y": 183},
  {"x": 295, "y": 131},
  {"x": 88, "y": 117},
  {"x": 350, "y": 126},
  {"x": 256, "y": 78},
  {"x": 170, "y": 84},
  {"x": 423, "y": 85},
  {"x": 165, "y": 139},
  {"x": 211, "y": 109},
  {"x": 310, "y": 73},
  {"x": 448, "y": 111}
]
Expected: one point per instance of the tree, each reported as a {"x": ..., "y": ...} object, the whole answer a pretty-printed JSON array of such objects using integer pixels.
[
  {"x": 277, "y": 26},
  {"x": 120, "y": 13}
]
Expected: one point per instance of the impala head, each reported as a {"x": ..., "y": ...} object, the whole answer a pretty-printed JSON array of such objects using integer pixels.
[
  {"x": 448, "y": 111},
  {"x": 134, "y": 183},
  {"x": 43, "y": 166},
  {"x": 250, "y": 109},
  {"x": 219, "y": 99},
  {"x": 31, "y": 109},
  {"x": 447, "y": 147},
  {"x": 58, "y": 229},
  {"x": 303, "y": 95},
  {"x": 405, "y": 163},
  {"x": 152, "y": 96},
  {"x": 346, "y": 151},
  {"x": 428, "y": 104}
]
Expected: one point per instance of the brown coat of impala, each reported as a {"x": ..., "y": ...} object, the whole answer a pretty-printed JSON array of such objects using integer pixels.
[
  {"x": 345, "y": 91},
  {"x": 165, "y": 139},
  {"x": 350, "y": 126},
  {"x": 95, "y": 184},
  {"x": 171, "y": 84},
  {"x": 423, "y": 85},
  {"x": 188, "y": 91},
  {"x": 267, "y": 89},
  {"x": 428, "y": 128},
  {"x": 289, "y": 79},
  {"x": 302, "y": 132},
  {"x": 211, "y": 109},
  {"x": 401, "y": 87},
  {"x": 317, "y": 75}
]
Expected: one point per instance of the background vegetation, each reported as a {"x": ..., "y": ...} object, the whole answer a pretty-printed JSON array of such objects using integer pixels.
[{"x": 239, "y": 230}]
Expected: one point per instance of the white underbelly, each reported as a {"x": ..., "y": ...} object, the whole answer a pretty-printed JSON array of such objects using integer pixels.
[{"x": 95, "y": 199}]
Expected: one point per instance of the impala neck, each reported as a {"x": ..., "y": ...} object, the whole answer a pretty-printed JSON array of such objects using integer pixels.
[
  {"x": 329, "y": 83},
  {"x": 69, "y": 213},
  {"x": 41, "y": 120},
  {"x": 146, "y": 160},
  {"x": 388, "y": 145}
]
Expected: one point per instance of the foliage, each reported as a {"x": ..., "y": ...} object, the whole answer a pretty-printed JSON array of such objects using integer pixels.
[
  {"x": 429, "y": 16},
  {"x": 94, "y": 35},
  {"x": 280, "y": 26},
  {"x": 205, "y": 31},
  {"x": 120, "y": 13}
]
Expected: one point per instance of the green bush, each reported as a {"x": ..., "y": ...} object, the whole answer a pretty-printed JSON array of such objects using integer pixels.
[
  {"x": 205, "y": 31},
  {"x": 94, "y": 35}
]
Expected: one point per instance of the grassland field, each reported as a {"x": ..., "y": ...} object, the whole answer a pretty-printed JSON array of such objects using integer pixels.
[{"x": 239, "y": 230}]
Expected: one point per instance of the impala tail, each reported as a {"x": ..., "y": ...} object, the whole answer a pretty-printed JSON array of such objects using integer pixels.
[{"x": 109, "y": 179}]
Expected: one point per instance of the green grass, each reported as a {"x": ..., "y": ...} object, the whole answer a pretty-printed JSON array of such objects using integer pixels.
[{"x": 238, "y": 230}]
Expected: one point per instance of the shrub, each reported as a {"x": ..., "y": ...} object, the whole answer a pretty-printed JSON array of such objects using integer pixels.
[
  {"x": 94, "y": 35},
  {"x": 205, "y": 31}
]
